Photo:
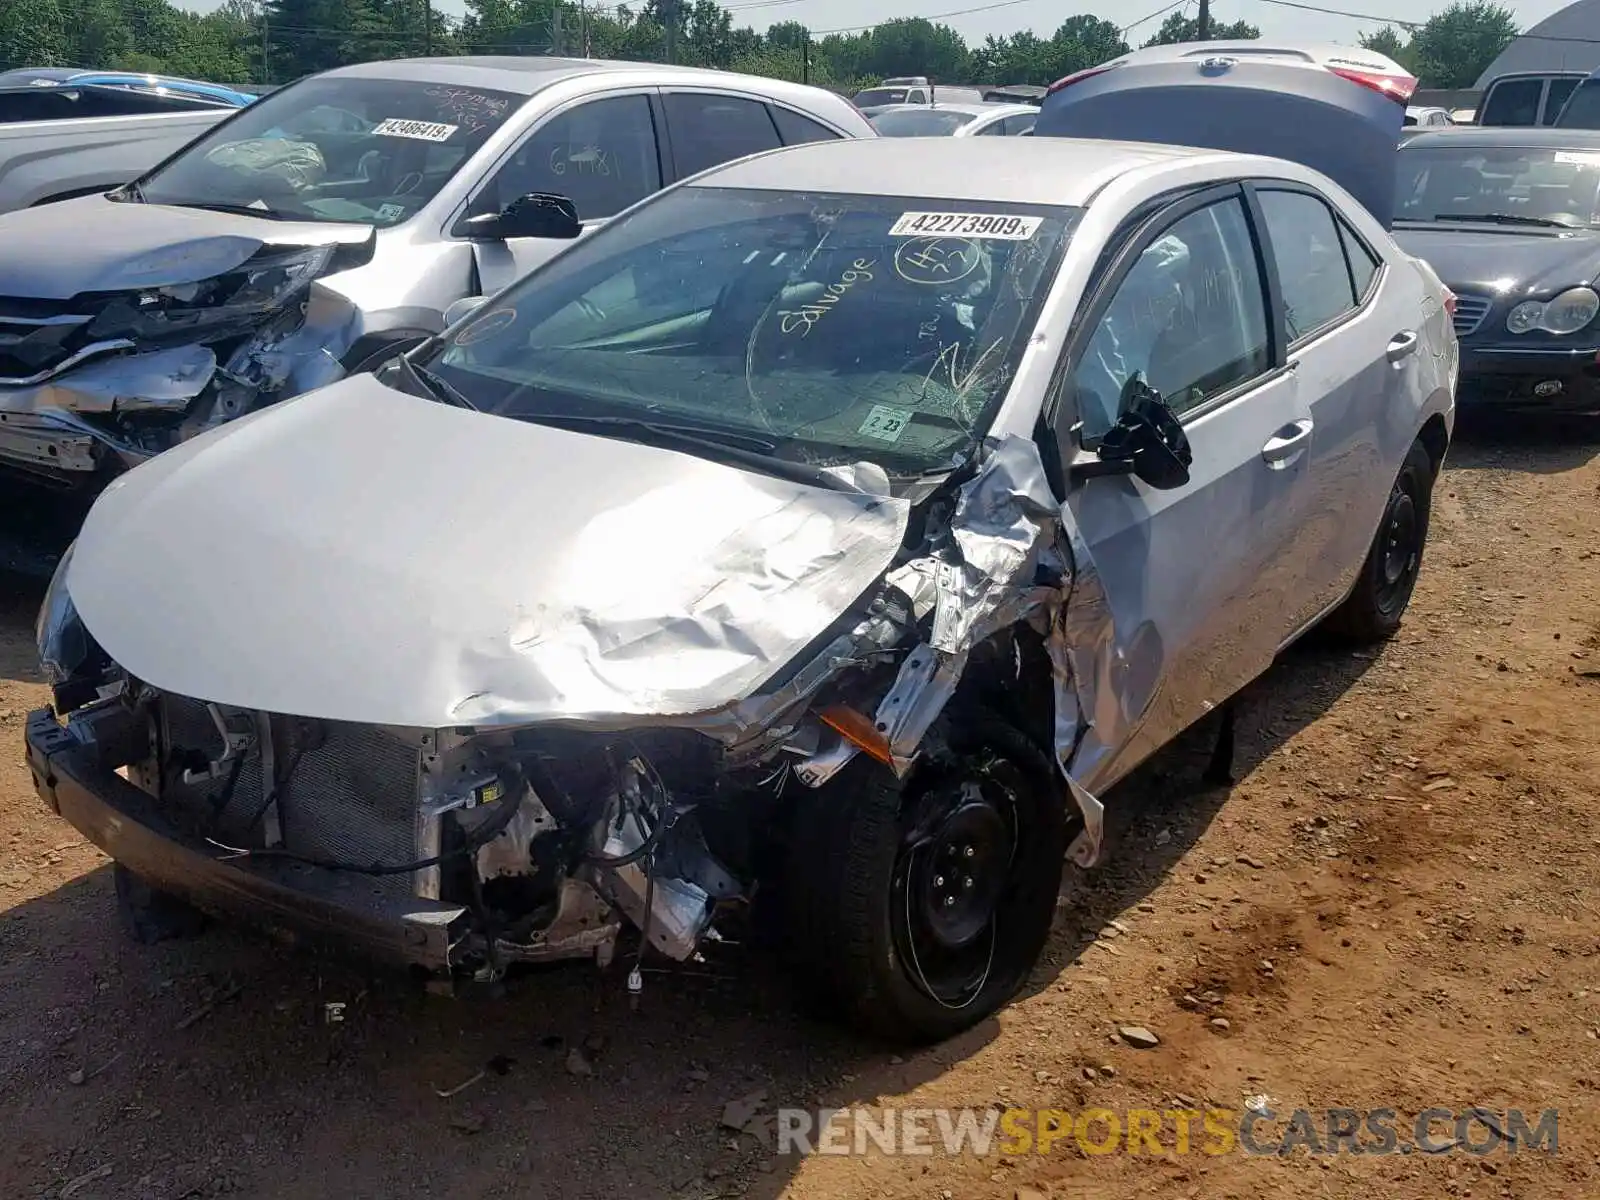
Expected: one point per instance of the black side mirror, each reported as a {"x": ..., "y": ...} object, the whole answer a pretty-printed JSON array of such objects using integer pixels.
[
  {"x": 1147, "y": 441},
  {"x": 538, "y": 214}
]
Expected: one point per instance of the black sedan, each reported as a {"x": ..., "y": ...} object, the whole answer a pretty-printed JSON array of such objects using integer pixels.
[{"x": 1510, "y": 219}]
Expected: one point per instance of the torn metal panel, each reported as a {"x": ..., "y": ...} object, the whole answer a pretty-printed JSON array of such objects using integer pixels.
[
  {"x": 163, "y": 379},
  {"x": 1016, "y": 555},
  {"x": 490, "y": 572}
]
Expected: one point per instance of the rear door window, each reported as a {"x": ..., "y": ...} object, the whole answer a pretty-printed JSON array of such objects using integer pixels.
[
  {"x": 709, "y": 129},
  {"x": 1513, "y": 102},
  {"x": 1556, "y": 98},
  {"x": 1019, "y": 125},
  {"x": 795, "y": 129}
]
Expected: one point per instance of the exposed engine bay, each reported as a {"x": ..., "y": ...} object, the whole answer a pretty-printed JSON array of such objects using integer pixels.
[{"x": 101, "y": 381}]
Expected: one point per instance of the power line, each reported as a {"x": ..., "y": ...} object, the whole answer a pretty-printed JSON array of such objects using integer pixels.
[{"x": 1335, "y": 12}]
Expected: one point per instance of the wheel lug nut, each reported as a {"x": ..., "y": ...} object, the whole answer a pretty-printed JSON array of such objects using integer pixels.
[
  {"x": 967, "y": 852},
  {"x": 938, "y": 881},
  {"x": 966, "y": 882},
  {"x": 949, "y": 901}
]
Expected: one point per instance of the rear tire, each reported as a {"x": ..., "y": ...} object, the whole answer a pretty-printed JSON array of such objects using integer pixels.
[
  {"x": 915, "y": 909},
  {"x": 1373, "y": 612},
  {"x": 152, "y": 916}
]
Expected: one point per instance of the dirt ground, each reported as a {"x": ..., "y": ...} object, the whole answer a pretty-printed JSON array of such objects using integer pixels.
[{"x": 1394, "y": 908}]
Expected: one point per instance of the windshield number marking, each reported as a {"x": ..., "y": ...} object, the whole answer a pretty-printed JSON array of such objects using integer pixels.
[
  {"x": 800, "y": 320},
  {"x": 1575, "y": 158},
  {"x": 1000, "y": 227},
  {"x": 885, "y": 423},
  {"x": 421, "y": 131}
]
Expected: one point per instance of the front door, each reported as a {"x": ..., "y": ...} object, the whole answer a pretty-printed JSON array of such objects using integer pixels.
[
  {"x": 1196, "y": 576},
  {"x": 602, "y": 154}
]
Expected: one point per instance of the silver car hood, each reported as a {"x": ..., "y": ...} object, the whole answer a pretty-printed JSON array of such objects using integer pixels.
[
  {"x": 359, "y": 554},
  {"x": 91, "y": 244}
]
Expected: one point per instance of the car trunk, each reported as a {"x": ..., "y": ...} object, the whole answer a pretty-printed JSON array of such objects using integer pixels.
[{"x": 1318, "y": 118}]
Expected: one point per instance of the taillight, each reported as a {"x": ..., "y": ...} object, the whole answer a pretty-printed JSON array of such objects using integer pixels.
[
  {"x": 1398, "y": 88},
  {"x": 1075, "y": 77},
  {"x": 1450, "y": 302}
]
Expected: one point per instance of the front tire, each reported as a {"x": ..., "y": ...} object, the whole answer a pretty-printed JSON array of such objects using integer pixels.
[
  {"x": 1374, "y": 611},
  {"x": 917, "y": 908}
]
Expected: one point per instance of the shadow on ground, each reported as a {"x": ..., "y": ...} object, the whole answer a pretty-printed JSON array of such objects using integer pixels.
[
  {"x": 1542, "y": 444},
  {"x": 228, "y": 1065}
]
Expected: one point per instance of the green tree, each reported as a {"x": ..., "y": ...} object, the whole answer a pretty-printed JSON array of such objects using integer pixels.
[
  {"x": 1455, "y": 46},
  {"x": 1179, "y": 28}
]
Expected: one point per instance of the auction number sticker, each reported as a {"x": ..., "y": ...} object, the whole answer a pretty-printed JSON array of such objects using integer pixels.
[
  {"x": 967, "y": 225},
  {"x": 886, "y": 423},
  {"x": 1578, "y": 158},
  {"x": 422, "y": 131}
]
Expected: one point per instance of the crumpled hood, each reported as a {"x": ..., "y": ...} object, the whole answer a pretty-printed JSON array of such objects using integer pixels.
[
  {"x": 360, "y": 554},
  {"x": 1495, "y": 261},
  {"x": 91, "y": 244}
]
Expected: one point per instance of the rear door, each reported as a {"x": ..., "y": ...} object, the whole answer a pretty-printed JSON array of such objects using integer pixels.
[
  {"x": 1203, "y": 576},
  {"x": 1350, "y": 354},
  {"x": 602, "y": 153}
]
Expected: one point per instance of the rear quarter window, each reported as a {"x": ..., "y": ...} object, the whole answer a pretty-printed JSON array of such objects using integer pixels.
[{"x": 1513, "y": 102}]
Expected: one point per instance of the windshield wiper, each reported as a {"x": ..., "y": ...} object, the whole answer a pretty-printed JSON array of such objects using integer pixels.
[
  {"x": 746, "y": 450},
  {"x": 243, "y": 210},
  {"x": 432, "y": 385},
  {"x": 1505, "y": 219}
]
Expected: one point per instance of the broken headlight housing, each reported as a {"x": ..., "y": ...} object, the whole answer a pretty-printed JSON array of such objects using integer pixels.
[
  {"x": 62, "y": 640},
  {"x": 1569, "y": 312},
  {"x": 257, "y": 288}
]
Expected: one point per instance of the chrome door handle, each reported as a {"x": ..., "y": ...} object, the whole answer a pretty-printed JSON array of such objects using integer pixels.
[
  {"x": 1403, "y": 344},
  {"x": 1288, "y": 441}
]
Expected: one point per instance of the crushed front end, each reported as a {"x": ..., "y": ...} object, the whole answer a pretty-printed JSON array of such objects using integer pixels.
[{"x": 101, "y": 380}]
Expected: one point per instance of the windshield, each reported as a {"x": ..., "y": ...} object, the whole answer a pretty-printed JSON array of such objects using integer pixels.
[
  {"x": 835, "y": 328},
  {"x": 920, "y": 122},
  {"x": 1542, "y": 186},
  {"x": 332, "y": 149},
  {"x": 875, "y": 96}
]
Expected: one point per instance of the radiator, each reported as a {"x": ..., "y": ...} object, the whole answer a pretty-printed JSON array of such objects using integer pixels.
[{"x": 350, "y": 795}]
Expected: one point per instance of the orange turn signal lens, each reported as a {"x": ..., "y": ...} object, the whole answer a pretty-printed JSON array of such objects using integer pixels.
[{"x": 859, "y": 731}]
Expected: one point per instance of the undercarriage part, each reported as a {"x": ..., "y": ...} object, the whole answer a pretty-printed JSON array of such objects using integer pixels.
[{"x": 673, "y": 911}]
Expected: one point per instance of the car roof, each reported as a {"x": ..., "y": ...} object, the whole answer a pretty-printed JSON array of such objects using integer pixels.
[
  {"x": 525, "y": 75},
  {"x": 1529, "y": 137},
  {"x": 1056, "y": 171}
]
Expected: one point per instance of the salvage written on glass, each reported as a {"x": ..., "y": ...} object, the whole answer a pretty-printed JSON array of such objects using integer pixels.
[{"x": 969, "y": 225}]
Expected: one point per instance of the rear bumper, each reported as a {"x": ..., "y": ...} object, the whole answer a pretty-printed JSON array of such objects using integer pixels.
[
  {"x": 71, "y": 775},
  {"x": 1545, "y": 380}
]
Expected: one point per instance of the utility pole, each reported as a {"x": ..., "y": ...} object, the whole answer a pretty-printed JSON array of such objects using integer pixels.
[
  {"x": 427, "y": 27},
  {"x": 805, "y": 59},
  {"x": 266, "y": 61},
  {"x": 1204, "y": 32},
  {"x": 555, "y": 31},
  {"x": 669, "y": 10},
  {"x": 583, "y": 26}
]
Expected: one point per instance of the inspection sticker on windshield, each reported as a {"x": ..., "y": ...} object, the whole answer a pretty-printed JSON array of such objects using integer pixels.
[
  {"x": 886, "y": 423},
  {"x": 1578, "y": 158},
  {"x": 422, "y": 131},
  {"x": 968, "y": 225}
]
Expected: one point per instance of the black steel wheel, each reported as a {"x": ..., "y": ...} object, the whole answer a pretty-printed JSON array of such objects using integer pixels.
[
  {"x": 1375, "y": 608},
  {"x": 916, "y": 908}
]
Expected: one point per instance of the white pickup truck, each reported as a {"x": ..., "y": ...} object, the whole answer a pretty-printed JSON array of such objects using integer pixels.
[{"x": 47, "y": 160}]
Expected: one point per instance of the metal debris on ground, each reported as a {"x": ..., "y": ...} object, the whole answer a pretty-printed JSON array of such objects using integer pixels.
[
  {"x": 446, "y": 1093},
  {"x": 84, "y": 1180},
  {"x": 206, "y": 1009}
]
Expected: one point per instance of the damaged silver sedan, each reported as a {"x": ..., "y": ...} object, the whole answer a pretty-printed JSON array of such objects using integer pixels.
[{"x": 796, "y": 544}]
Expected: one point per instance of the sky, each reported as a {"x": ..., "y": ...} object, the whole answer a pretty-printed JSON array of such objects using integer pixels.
[{"x": 1274, "y": 19}]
